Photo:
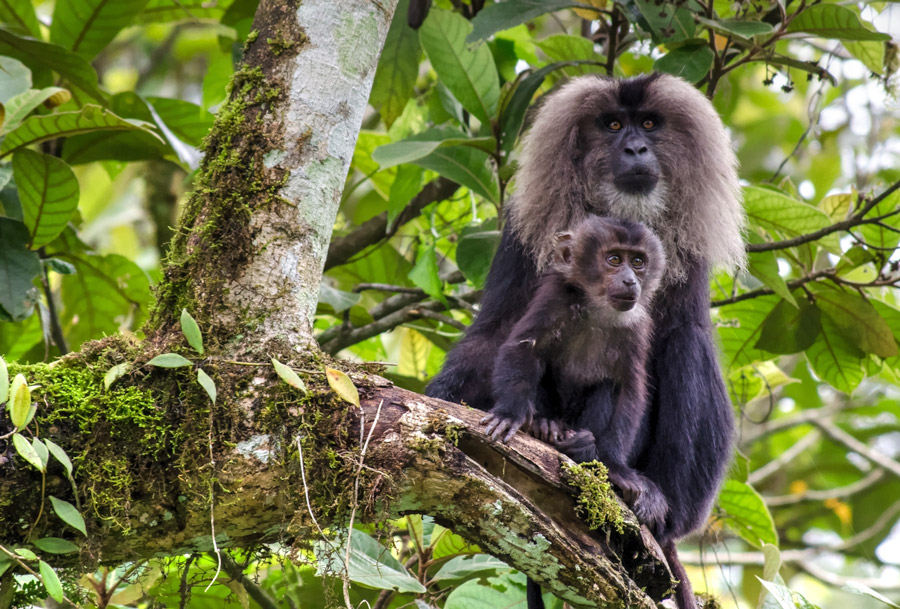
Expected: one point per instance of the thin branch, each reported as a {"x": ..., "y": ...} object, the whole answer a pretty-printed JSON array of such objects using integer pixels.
[
  {"x": 807, "y": 417},
  {"x": 376, "y": 229},
  {"x": 444, "y": 319},
  {"x": 841, "y": 492},
  {"x": 253, "y": 589},
  {"x": 854, "y": 220},
  {"x": 346, "y": 335},
  {"x": 794, "y": 283},
  {"x": 775, "y": 465},
  {"x": 848, "y": 441}
]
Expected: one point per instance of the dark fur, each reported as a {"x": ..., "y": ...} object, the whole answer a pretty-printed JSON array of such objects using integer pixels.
[
  {"x": 576, "y": 360},
  {"x": 684, "y": 441}
]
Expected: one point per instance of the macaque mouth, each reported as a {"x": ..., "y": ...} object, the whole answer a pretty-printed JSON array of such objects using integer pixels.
[
  {"x": 623, "y": 302},
  {"x": 639, "y": 180}
]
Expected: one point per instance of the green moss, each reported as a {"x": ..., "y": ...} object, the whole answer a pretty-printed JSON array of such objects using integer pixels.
[{"x": 596, "y": 503}]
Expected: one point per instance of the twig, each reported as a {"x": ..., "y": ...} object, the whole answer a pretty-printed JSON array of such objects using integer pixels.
[
  {"x": 56, "y": 331},
  {"x": 854, "y": 220},
  {"x": 444, "y": 319},
  {"x": 376, "y": 229},
  {"x": 784, "y": 458},
  {"x": 806, "y": 417},
  {"x": 848, "y": 441},
  {"x": 253, "y": 589},
  {"x": 306, "y": 493},
  {"x": 841, "y": 492},
  {"x": 212, "y": 502},
  {"x": 184, "y": 588},
  {"x": 355, "y": 499}
]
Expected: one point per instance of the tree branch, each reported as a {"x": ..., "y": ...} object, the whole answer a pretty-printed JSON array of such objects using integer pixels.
[
  {"x": 376, "y": 229},
  {"x": 848, "y": 441}
]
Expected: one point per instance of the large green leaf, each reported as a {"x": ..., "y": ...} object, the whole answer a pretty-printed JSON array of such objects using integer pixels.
[
  {"x": 106, "y": 294},
  {"x": 20, "y": 15},
  {"x": 836, "y": 360},
  {"x": 780, "y": 214},
  {"x": 86, "y": 26},
  {"x": 65, "y": 124},
  {"x": 739, "y": 328},
  {"x": 17, "y": 338},
  {"x": 421, "y": 145},
  {"x": 18, "y": 268},
  {"x": 505, "y": 15},
  {"x": 568, "y": 48},
  {"x": 19, "y": 107},
  {"x": 15, "y": 78},
  {"x": 398, "y": 69},
  {"x": 885, "y": 235},
  {"x": 690, "y": 62},
  {"x": 425, "y": 272},
  {"x": 469, "y": 74},
  {"x": 747, "y": 513},
  {"x": 39, "y": 54},
  {"x": 764, "y": 266},
  {"x": 69, "y": 514},
  {"x": 833, "y": 21},
  {"x": 789, "y": 328},
  {"x": 370, "y": 564},
  {"x": 856, "y": 319},
  {"x": 667, "y": 21},
  {"x": 464, "y": 165},
  {"x": 48, "y": 190},
  {"x": 135, "y": 145},
  {"x": 468, "y": 566}
]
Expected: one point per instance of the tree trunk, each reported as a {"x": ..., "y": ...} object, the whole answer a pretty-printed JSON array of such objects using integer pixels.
[{"x": 162, "y": 470}]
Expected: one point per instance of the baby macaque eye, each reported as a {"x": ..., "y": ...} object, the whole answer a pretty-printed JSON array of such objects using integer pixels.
[
  {"x": 637, "y": 262},
  {"x": 614, "y": 259}
]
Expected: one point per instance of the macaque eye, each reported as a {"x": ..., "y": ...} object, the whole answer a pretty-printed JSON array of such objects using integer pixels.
[
  {"x": 614, "y": 125},
  {"x": 648, "y": 124},
  {"x": 614, "y": 259},
  {"x": 637, "y": 262}
]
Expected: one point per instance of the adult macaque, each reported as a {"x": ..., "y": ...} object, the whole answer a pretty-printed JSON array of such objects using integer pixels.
[{"x": 649, "y": 149}]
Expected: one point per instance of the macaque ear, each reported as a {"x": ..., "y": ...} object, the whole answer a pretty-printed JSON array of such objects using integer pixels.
[{"x": 564, "y": 248}]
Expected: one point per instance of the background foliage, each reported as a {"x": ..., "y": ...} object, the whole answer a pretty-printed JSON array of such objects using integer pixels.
[{"x": 105, "y": 105}]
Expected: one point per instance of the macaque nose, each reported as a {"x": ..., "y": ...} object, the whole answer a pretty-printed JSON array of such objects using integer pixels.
[
  {"x": 629, "y": 281},
  {"x": 636, "y": 149}
]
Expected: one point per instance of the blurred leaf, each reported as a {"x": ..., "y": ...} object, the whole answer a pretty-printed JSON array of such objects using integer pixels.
[
  {"x": 475, "y": 251},
  {"x": 87, "y": 26},
  {"x": 886, "y": 235},
  {"x": 20, "y": 14},
  {"x": 106, "y": 294},
  {"x": 425, "y": 272},
  {"x": 406, "y": 185},
  {"x": 342, "y": 385},
  {"x": 473, "y": 595},
  {"x": 188, "y": 121},
  {"x": 833, "y": 21},
  {"x": 26, "y": 451},
  {"x": 286, "y": 374},
  {"x": 466, "y": 166},
  {"x": 691, "y": 62},
  {"x": 748, "y": 515},
  {"x": 55, "y": 545},
  {"x": 414, "y": 350},
  {"x": 163, "y": 11},
  {"x": 191, "y": 331},
  {"x": 207, "y": 383},
  {"x": 370, "y": 563},
  {"x": 856, "y": 319},
  {"x": 505, "y": 15},
  {"x": 834, "y": 359},
  {"x": 114, "y": 374},
  {"x": 565, "y": 49},
  {"x": 68, "y": 514},
  {"x": 398, "y": 69},
  {"x": 66, "y": 124},
  {"x": 215, "y": 81},
  {"x": 789, "y": 329},
  {"x": 469, "y": 566},
  {"x": 17, "y": 338},
  {"x": 338, "y": 300},
  {"x": 20, "y": 106},
  {"x": 18, "y": 267},
  {"x": 170, "y": 360},
  {"x": 445, "y": 542},
  {"x": 513, "y": 114},
  {"x": 48, "y": 191},
  {"x": 39, "y": 54},
  {"x": 738, "y": 27},
  {"x": 469, "y": 74},
  {"x": 870, "y": 53},
  {"x": 864, "y": 590},
  {"x": 421, "y": 145},
  {"x": 51, "y": 581},
  {"x": 4, "y": 381},
  {"x": 15, "y": 78}
]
